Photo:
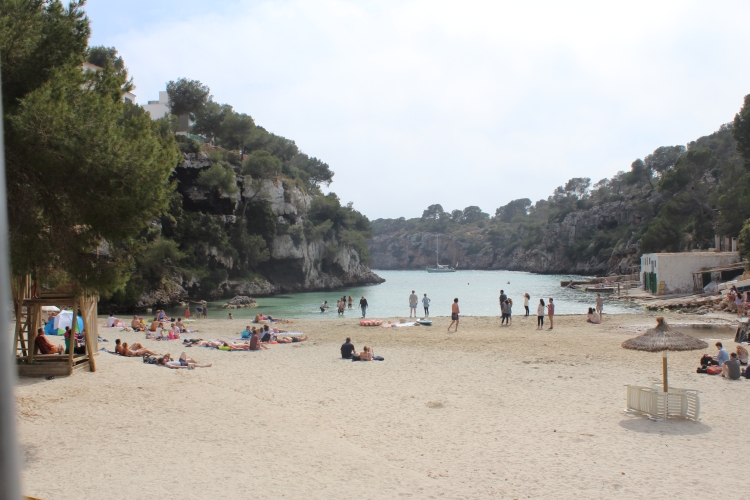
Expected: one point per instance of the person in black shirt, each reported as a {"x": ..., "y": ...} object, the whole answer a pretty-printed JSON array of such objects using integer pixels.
[
  {"x": 363, "y": 305},
  {"x": 347, "y": 349}
]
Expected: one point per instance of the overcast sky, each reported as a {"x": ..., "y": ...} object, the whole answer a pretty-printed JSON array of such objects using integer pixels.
[{"x": 459, "y": 103}]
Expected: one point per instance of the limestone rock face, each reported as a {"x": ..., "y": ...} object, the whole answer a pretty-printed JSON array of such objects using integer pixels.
[
  {"x": 294, "y": 265},
  {"x": 551, "y": 255}
]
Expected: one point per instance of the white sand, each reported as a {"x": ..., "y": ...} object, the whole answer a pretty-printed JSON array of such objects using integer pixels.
[{"x": 487, "y": 412}]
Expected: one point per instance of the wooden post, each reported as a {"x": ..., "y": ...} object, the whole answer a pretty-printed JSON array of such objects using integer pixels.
[
  {"x": 664, "y": 371},
  {"x": 31, "y": 311},
  {"x": 88, "y": 305},
  {"x": 73, "y": 328}
]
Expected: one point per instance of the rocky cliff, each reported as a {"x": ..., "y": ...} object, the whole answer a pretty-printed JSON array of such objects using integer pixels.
[
  {"x": 296, "y": 258},
  {"x": 554, "y": 250}
]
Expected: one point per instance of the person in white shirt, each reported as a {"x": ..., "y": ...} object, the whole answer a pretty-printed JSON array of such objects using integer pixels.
[
  {"x": 413, "y": 301},
  {"x": 426, "y": 304},
  {"x": 526, "y": 298},
  {"x": 111, "y": 320}
]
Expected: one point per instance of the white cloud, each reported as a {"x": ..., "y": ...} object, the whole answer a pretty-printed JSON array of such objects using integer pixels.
[{"x": 471, "y": 103}]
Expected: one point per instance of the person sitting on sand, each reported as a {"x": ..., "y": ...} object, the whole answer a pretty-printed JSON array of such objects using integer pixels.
[
  {"x": 135, "y": 324},
  {"x": 45, "y": 346},
  {"x": 722, "y": 356},
  {"x": 593, "y": 317},
  {"x": 136, "y": 350},
  {"x": 247, "y": 332},
  {"x": 153, "y": 326},
  {"x": 347, "y": 349},
  {"x": 174, "y": 332},
  {"x": 181, "y": 325},
  {"x": 731, "y": 369},
  {"x": 742, "y": 355},
  {"x": 288, "y": 340},
  {"x": 183, "y": 362},
  {"x": 255, "y": 343},
  {"x": 266, "y": 334},
  {"x": 366, "y": 354},
  {"x": 118, "y": 346}
]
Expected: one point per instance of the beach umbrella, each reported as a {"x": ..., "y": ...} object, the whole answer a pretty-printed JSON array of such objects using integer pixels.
[
  {"x": 663, "y": 339},
  {"x": 65, "y": 318}
]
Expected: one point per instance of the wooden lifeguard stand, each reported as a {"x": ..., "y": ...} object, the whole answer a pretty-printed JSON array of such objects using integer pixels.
[{"x": 28, "y": 301}]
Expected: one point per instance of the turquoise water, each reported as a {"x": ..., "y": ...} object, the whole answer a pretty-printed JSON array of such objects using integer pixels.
[{"x": 477, "y": 291}]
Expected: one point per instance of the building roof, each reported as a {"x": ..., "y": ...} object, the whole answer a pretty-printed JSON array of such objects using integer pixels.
[{"x": 694, "y": 254}]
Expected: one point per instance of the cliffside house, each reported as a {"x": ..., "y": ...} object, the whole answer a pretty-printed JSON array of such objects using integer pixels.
[
  {"x": 159, "y": 108},
  {"x": 671, "y": 273}
]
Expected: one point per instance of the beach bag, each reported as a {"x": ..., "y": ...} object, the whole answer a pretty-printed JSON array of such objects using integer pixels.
[{"x": 713, "y": 370}]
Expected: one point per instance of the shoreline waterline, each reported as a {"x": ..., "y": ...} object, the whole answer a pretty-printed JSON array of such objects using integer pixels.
[{"x": 477, "y": 291}]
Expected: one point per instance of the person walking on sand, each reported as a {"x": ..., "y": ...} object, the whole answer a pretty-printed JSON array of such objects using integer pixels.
[
  {"x": 454, "y": 315},
  {"x": 363, "y": 305},
  {"x": 551, "y": 312},
  {"x": 413, "y": 301},
  {"x": 599, "y": 305},
  {"x": 426, "y": 304},
  {"x": 526, "y": 298},
  {"x": 540, "y": 315}
]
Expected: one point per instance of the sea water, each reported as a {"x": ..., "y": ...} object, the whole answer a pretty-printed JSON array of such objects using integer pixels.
[{"x": 477, "y": 292}]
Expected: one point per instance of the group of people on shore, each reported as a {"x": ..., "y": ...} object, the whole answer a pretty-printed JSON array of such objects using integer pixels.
[
  {"x": 729, "y": 365},
  {"x": 595, "y": 314},
  {"x": 149, "y": 356}
]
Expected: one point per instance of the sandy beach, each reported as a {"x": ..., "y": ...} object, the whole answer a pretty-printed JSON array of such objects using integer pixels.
[{"x": 485, "y": 412}]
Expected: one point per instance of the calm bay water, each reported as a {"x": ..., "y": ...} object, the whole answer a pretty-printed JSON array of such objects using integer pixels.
[{"x": 477, "y": 291}]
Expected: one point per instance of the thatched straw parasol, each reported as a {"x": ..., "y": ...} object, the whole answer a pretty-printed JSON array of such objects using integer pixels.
[{"x": 663, "y": 339}]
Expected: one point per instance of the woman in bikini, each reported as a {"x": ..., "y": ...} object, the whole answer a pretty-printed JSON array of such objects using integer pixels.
[{"x": 136, "y": 350}]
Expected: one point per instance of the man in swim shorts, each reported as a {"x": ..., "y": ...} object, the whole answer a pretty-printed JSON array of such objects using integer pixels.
[
  {"x": 413, "y": 301},
  {"x": 426, "y": 304},
  {"x": 454, "y": 314}
]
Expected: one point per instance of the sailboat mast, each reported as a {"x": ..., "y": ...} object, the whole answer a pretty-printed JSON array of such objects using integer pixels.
[{"x": 437, "y": 250}]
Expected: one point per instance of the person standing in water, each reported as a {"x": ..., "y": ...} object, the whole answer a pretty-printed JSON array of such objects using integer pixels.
[
  {"x": 413, "y": 301},
  {"x": 526, "y": 298},
  {"x": 599, "y": 305},
  {"x": 454, "y": 315},
  {"x": 363, "y": 305},
  {"x": 351, "y": 301},
  {"x": 426, "y": 304}
]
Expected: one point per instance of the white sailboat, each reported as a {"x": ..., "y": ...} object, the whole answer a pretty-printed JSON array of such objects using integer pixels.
[{"x": 438, "y": 267}]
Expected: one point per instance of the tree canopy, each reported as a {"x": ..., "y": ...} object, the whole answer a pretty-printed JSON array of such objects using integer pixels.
[
  {"x": 85, "y": 171},
  {"x": 186, "y": 97}
]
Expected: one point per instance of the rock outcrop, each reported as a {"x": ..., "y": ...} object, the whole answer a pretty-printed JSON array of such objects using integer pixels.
[{"x": 240, "y": 301}]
